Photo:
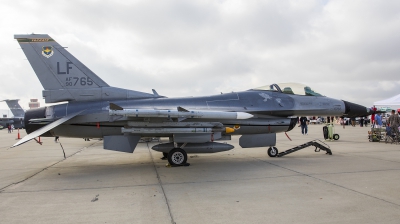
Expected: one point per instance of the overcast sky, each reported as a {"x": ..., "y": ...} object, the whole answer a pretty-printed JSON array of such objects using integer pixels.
[{"x": 343, "y": 49}]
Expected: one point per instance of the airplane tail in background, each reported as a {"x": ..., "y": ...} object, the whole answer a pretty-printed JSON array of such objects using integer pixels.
[
  {"x": 15, "y": 108},
  {"x": 65, "y": 78}
]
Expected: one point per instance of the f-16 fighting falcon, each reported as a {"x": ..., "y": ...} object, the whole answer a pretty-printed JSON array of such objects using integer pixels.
[{"x": 194, "y": 124}]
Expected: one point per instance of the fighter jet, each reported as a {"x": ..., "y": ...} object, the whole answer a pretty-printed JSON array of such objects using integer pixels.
[
  {"x": 193, "y": 125},
  {"x": 17, "y": 111}
]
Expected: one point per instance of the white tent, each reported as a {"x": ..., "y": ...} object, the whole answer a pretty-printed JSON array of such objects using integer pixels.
[{"x": 393, "y": 101}]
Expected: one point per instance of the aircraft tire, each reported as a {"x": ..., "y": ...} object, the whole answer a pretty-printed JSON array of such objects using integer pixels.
[
  {"x": 177, "y": 157},
  {"x": 273, "y": 151},
  {"x": 336, "y": 137}
]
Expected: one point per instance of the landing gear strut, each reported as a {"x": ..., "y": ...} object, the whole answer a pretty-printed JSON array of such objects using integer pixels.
[
  {"x": 165, "y": 156},
  {"x": 273, "y": 151}
]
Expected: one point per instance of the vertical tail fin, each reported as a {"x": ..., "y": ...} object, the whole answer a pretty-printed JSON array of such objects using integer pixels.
[
  {"x": 55, "y": 67},
  {"x": 65, "y": 78},
  {"x": 15, "y": 108}
]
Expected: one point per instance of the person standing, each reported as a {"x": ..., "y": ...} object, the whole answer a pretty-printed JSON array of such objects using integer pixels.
[
  {"x": 9, "y": 128},
  {"x": 361, "y": 121},
  {"x": 378, "y": 121},
  {"x": 373, "y": 116},
  {"x": 303, "y": 124},
  {"x": 342, "y": 121},
  {"x": 394, "y": 122},
  {"x": 353, "y": 121}
]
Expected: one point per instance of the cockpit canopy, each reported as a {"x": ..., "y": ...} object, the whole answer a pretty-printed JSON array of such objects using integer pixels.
[{"x": 290, "y": 88}]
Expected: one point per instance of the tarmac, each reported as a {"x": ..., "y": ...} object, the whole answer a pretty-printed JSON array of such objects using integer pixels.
[{"x": 359, "y": 183}]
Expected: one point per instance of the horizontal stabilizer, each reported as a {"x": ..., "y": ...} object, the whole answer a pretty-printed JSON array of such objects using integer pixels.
[{"x": 45, "y": 129}]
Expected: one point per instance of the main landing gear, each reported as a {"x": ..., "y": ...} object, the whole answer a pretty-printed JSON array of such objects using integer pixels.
[{"x": 176, "y": 157}]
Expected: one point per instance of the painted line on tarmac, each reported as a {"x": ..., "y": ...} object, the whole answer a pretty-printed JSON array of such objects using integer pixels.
[
  {"x": 369, "y": 157},
  {"x": 161, "y": 185},
  {"x": 328, "y": 182},
  {"x": 27, "y": 178}
]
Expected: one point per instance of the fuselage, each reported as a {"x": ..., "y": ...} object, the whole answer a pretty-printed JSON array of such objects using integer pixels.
[{"x": 271, "y": 112}]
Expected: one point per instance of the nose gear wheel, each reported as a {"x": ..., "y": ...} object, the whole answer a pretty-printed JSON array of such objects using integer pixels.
[{"x": 272, "y": 151}]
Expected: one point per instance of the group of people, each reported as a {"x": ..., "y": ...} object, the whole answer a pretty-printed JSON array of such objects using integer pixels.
[
  {"x": 10, "y": 128},
  {"x": 393, "y": 122},
  {"x": 376, "y": 121}
]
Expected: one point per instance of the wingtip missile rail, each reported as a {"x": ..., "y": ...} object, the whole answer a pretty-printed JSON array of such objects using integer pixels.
[{"x": 180, "y": 114}]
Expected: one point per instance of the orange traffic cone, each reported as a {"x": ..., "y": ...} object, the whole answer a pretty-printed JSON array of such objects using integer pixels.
[{"x": 19, "y": 136}]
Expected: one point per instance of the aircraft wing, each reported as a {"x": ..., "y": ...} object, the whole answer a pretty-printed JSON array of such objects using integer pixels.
[{"x": 45, "y": 129}]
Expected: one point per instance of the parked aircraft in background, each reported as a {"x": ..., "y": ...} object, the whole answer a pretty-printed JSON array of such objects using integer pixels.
[
  {"x": 18, "y": 120},
  {"x": 15, "y": 108},
  {"x": 194, "y": 124}
]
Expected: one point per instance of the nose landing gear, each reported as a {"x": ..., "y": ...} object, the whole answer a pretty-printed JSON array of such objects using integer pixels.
[{"x": 273, "y": 151}]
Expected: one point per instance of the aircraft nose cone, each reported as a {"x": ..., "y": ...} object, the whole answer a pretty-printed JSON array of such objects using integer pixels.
[{"x": 355, "y": 110}]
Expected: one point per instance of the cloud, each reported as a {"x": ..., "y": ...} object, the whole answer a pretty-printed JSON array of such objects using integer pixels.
[{"x": 343, "y": 49}]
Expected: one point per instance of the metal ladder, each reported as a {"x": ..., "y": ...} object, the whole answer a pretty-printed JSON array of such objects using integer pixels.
[{"x": 319, "y": 145}]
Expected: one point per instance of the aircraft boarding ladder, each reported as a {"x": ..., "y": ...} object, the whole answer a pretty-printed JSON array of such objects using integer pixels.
[{"x": 319, "y": 145}]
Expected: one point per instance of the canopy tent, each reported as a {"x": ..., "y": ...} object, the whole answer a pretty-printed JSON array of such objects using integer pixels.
[{"x": 393, "y": 101}]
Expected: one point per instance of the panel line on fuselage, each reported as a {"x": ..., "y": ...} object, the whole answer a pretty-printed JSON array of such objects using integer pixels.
[{"x": 211, "y": 101}]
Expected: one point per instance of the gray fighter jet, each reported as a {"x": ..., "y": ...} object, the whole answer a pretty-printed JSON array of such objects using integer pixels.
[
  {"x": 17, "y": 111},
  {"x": 194, "y": 124}
]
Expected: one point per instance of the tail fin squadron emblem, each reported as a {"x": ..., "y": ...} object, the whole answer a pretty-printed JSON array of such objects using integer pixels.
[{"x": 47, "y": 51}]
